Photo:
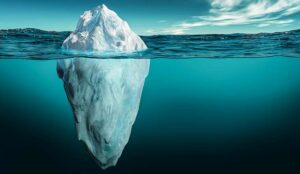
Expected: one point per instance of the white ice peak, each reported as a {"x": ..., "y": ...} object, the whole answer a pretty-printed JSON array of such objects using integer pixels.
[
  {"x": 104, "y": 93},
  {"x": 101, "y": 29}
]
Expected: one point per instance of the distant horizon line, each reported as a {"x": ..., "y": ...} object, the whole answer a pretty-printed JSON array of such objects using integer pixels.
[{"x": 58, "y": 31}]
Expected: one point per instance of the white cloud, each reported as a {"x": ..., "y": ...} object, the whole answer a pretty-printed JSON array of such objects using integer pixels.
[
  {"x": 262, "y": 13},
  {"x": 151, "y": 31},
  {"x": 162, "y": 21},
  {"x": 175, "y": 31},
  {"x": 276, "y": 22},
  {"x": 224, "y": 5},
  {"x": 263, "y": 25}
]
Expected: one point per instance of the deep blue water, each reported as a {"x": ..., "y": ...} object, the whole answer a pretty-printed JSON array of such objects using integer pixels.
[{"x": 208, "y": 115}]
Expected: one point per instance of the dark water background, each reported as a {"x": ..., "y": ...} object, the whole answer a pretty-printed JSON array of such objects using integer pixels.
[{"x": 196, "y": 116}]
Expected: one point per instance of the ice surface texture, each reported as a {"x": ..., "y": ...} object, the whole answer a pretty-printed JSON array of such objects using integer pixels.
[
  {"x": 103, "y": 30},
  {"x": 104, "y": 93}
]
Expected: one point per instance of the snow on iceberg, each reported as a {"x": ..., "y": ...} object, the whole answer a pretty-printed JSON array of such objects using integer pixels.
[
  {"x": 104, "y": 93},
  {"x": 101, "y": 29}
]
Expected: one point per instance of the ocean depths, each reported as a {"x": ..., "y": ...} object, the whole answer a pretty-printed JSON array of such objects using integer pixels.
[{"x": 211, "y": 104}]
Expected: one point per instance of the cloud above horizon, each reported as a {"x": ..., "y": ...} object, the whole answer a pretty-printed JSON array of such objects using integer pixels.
[{"x": 261, "y": 13}]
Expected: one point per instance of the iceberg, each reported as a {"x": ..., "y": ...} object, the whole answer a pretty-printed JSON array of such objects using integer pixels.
[
  {"x": 104, "y": 93},
  {"x": 101, "y": 29}
]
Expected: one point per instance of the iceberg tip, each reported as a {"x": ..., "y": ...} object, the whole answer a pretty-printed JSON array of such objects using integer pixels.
[
  {"x": 103, "y": 6},
  {"x": 101, "y": 29}
]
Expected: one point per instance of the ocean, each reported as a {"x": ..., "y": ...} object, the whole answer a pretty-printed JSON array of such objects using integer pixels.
[{"x": 211, "y": 104}]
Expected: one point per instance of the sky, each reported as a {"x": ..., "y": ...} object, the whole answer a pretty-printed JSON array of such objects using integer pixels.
[{"x": 156, "y": 17}]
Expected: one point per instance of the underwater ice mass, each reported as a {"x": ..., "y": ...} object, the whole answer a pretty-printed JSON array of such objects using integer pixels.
[{"x": 104, "y": 93}]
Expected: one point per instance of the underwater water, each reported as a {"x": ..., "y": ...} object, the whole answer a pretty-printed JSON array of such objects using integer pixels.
[{"x": 201, "y": 115}]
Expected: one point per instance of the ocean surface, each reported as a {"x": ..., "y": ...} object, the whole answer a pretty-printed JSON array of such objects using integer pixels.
[
  {"x": 44, "y": 45},
  {"x": 211, "y": 104}
]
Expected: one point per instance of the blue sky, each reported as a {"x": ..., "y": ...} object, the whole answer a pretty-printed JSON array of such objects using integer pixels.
[{"x": 150, "y": 17}]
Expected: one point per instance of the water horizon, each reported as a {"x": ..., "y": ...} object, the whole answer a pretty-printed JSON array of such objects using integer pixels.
[{"x": 38, "y": 44}]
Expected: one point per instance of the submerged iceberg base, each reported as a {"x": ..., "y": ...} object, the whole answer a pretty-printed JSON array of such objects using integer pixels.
[{"x": 105, "y": 97}]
